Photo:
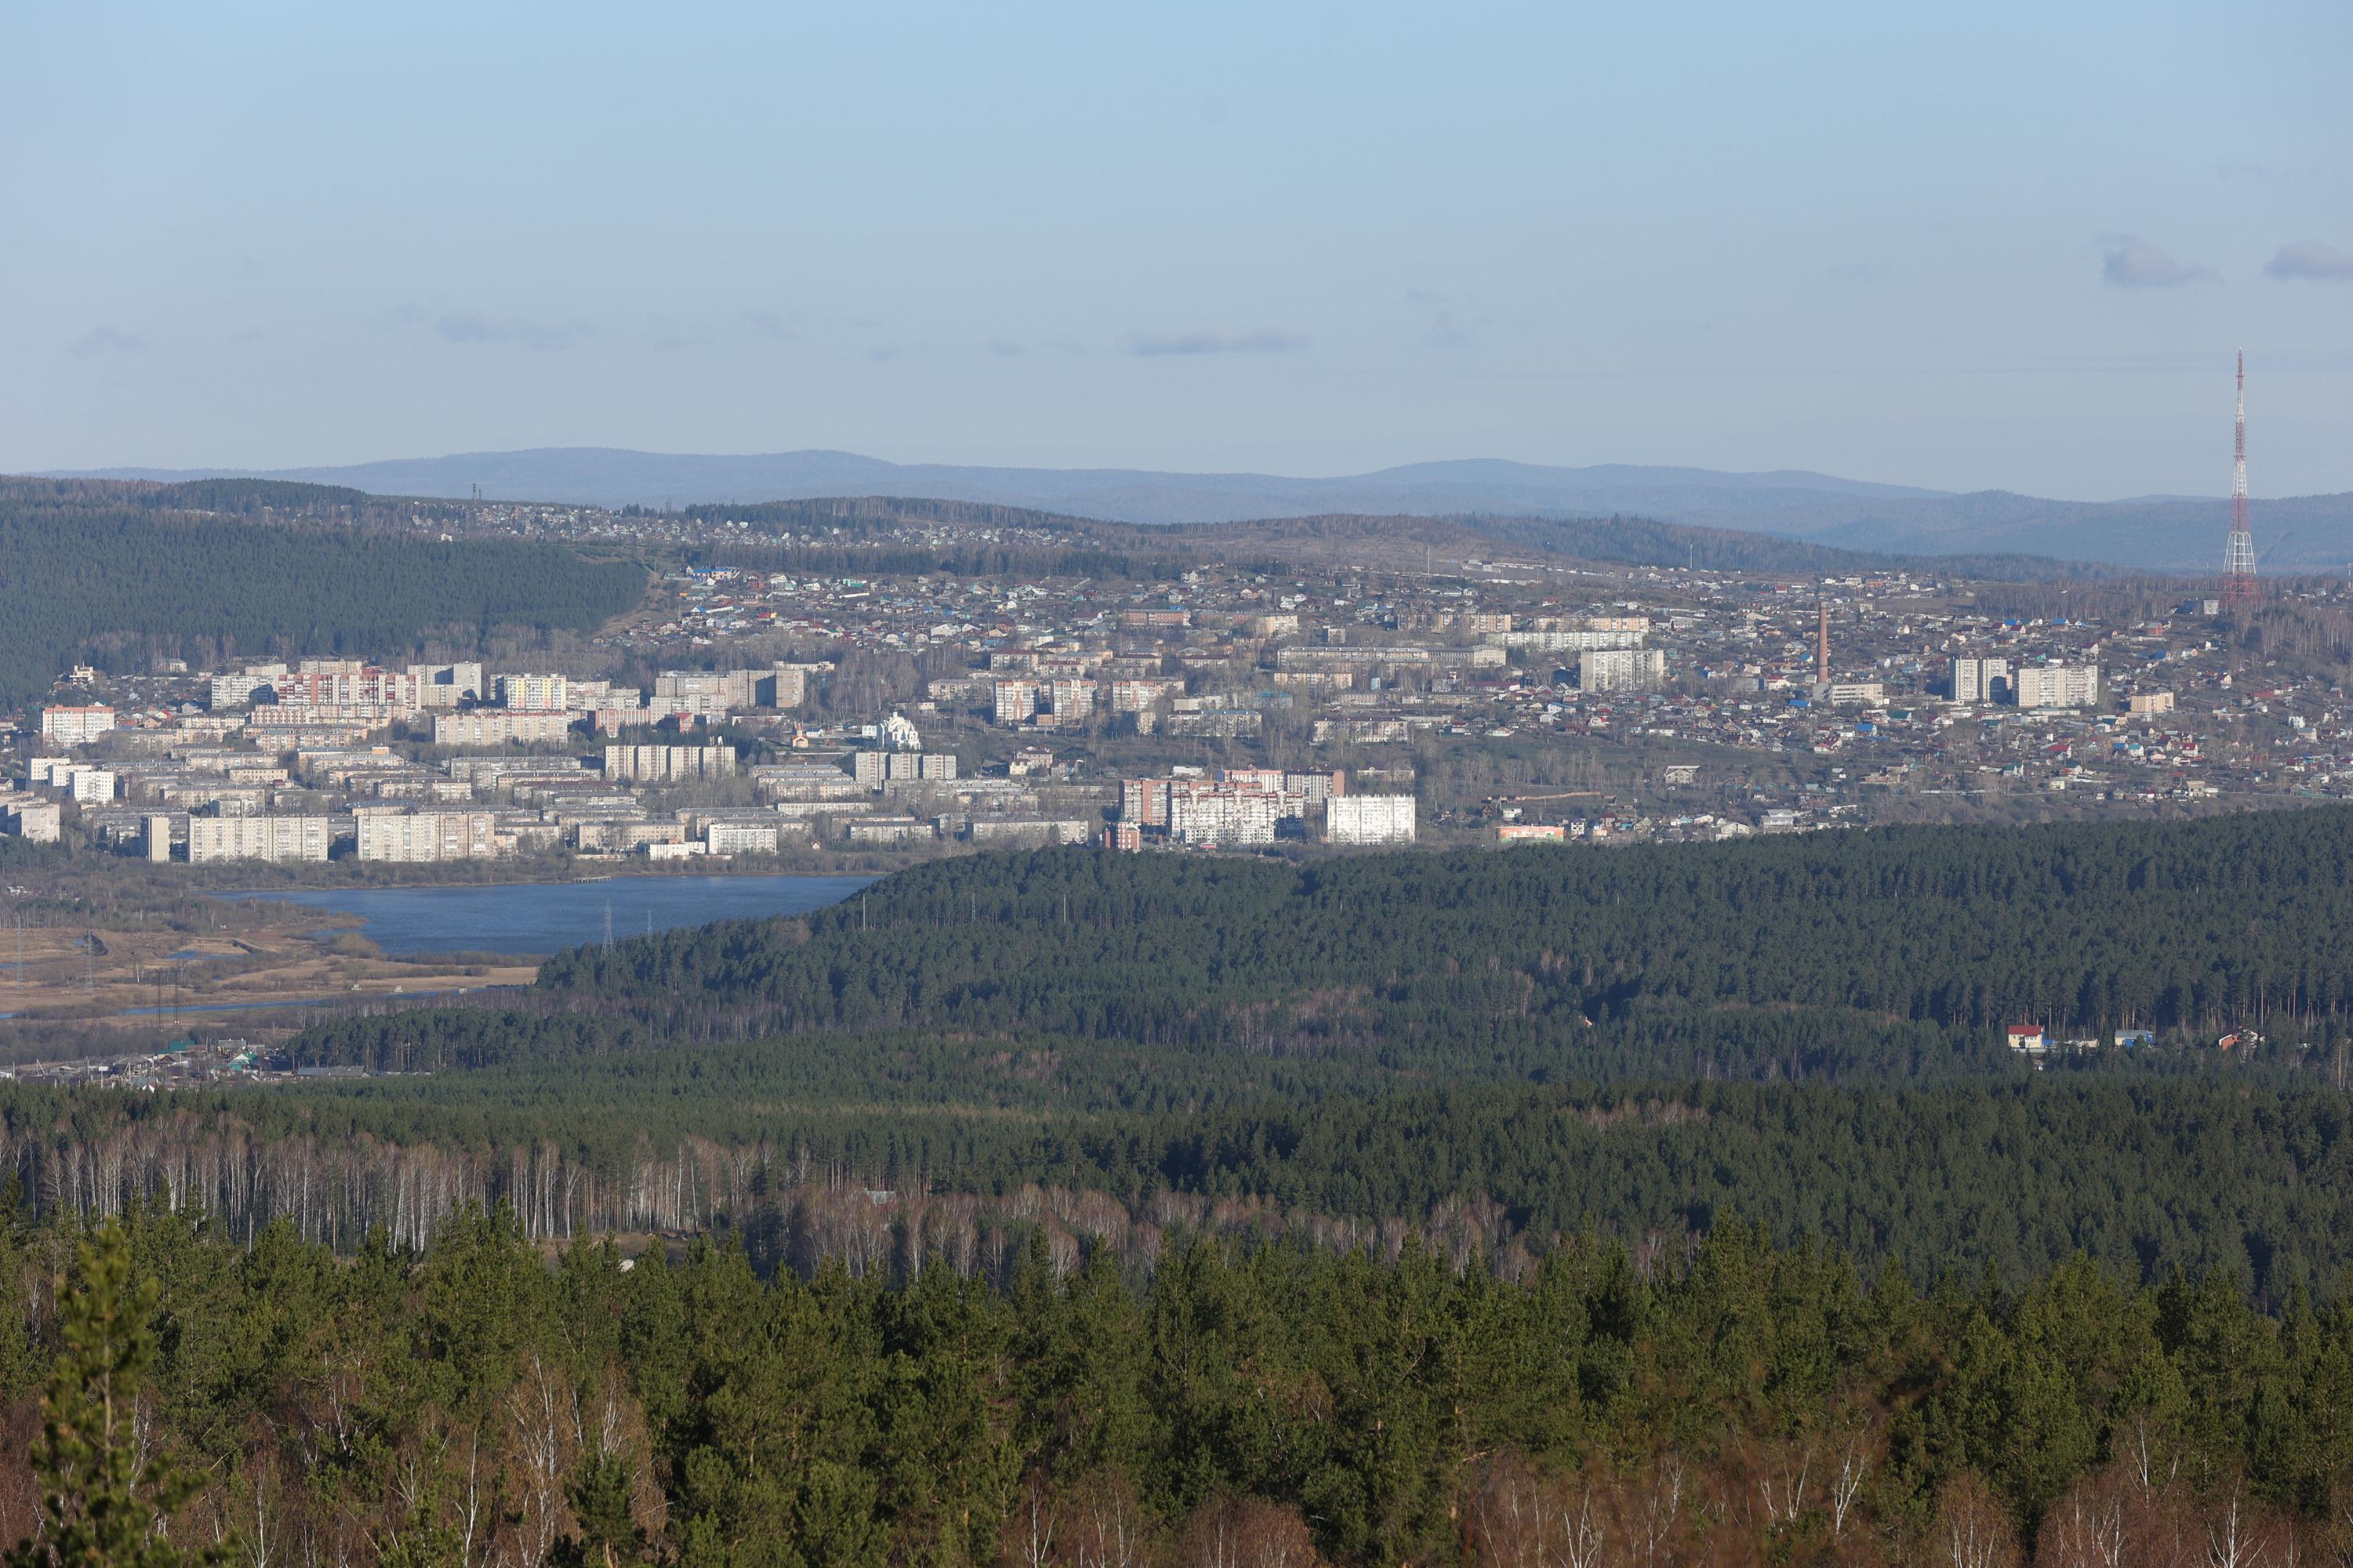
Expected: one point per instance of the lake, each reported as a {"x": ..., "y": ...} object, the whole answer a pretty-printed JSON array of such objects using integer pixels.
[{"x": 546, "y": 916}]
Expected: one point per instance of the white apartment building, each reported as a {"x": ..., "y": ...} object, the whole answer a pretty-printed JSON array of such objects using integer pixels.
[
  {"x": 76, "y": 726},
  {"x": 1142, "y": 697},
  {"x": 779, "y": 686},
  {"x": 256, "y": 838},
  {"x": 239, "y": 690},
  {"x": 533, "y": 693},
  {"x": 1217, "y": 815},
  {"x": 1581, "y": 641},
  {"x": 2055, "y": 685},
  {"x": 1621, "y": 670},
  {"x": 721, "y": 688},
  {"x": 334, "y": 683},
  {"x": 414, "y": 837},
  {"x": 90, "y": 786},
  {"x": 875, "y": 768},
  {"x": 1368, "y": 820},
  {"x": 1016, "y": 700},
  {"x": 1074, "y": 701},
  {"x": 445, "y": 685},
  {"x": 487, "y": 727},
  {"x": 1978, "y": 680},
  {"x": 37, "y": 821},
  {"x": 664, "y": 764},
  {"x": 739, "y": 838}
]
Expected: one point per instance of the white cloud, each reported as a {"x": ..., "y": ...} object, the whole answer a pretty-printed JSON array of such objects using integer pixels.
[
  {"x": 2128, "y": 261},
  {"x": 100, "y": 340},
  {"x": 476, "y": 327},
  {"x": 2308, "y": 261},
  {"x": 1266, "y": 339}
]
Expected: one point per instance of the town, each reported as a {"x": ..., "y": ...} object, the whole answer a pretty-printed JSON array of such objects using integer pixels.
[{"x": 1240, "y": 702}]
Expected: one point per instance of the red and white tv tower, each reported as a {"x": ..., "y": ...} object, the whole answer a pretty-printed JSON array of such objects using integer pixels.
[{"x": 2239, "y": 585}]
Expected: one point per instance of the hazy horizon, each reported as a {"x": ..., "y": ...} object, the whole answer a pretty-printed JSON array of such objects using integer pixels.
[
  {"x": 2007, "y": 249},
  {"x": 196, "y": 470}
]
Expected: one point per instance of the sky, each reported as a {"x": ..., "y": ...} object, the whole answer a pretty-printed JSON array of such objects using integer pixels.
[{"x": 1995, "y": 245}]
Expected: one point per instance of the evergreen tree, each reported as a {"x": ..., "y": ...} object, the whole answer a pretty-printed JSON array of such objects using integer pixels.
[{"x": 103, "y": 1505}]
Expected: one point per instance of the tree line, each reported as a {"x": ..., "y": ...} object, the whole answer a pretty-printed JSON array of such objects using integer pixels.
[
  {"x": 119, "y": 584},
  {"x": 2144, "y": 1175},
  {"x": 482, "y": 1402},
  {"x": 2085, "y": 929}
]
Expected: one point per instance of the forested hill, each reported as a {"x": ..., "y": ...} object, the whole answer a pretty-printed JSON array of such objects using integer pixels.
[
  {"x": 1075, "y": 546},
  {"x": 119, "y": 576},
  {"x": 2192, "y": 926},
  {"x": 1510, "y": 1046}
]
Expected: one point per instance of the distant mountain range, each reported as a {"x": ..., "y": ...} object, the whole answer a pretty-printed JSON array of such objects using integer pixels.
[{"x": 2169, "y": 533}]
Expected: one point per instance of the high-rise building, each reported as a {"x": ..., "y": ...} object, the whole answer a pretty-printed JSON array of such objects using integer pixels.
[
  {"x": 2056, "y": 686},
  {"x": 1218, "y": 816},
  {"x": 1074, "y": 701},
  {"x": 1621, "y": 670},
  {"x": 1979, "y": 680},
  {"x": 1143, "y": 802},
  {"x": 76, "y": 726},
  {"x": 1016, "y": 700},
  {"x": 534, "y": 694},
  {"x": 665, "y": 764},
  {"x": 1369, "y": 820}
]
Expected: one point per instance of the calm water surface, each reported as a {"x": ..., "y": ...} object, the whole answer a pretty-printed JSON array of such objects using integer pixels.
[{"x": 546, "y": 916}]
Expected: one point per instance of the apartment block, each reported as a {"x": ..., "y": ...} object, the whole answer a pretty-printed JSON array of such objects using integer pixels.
[
  {"x": 239, "y": 690},
  {"x": 1589, "y": 640},
  {"x": 489, "y": 727},
  {"x": 76, "y": 726},
  {"x": 875, "y": 768},
  {"x": 1142, "y": 697},
  {"x": 1016, "y": 700},
  {"x": 1621, "y": 670},
  {"x": 422, "y": 836},
  {"x": 1143, "y": 802},
  {"x": 1369, "y": 820},
  {"x": 445, "y": 685},
  {"x": 1978, "y": 680},
  {"x": 335, "y": 682},
  {"x": 39, "y": 821},
  {"x": 90, "y": 785},
  {"x": 1218, "y": 816},
  {"x": 2055, "y": 685},
  {"x": 257, "y": 838},
  {"x": 739, "y": 838},
  {"x": 665, "y": 764},
  {"x": 534, "y": 694}
]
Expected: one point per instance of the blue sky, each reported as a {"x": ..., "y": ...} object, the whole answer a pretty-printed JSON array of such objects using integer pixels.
[{"x": 1994, "y": 246}]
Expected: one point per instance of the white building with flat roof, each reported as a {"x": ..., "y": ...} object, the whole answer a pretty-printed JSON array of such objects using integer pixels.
[
  {"x": 1621, "y": 670},
  {"x": 2055, "y": 685},
  {"x": 1368, "y": 820},
  {"x": 416, "y": 837},
  {"x": 485, "y": 726},
  {"x": 76, "y": 726},
  {"x": 257, "y": 838},
  {"x": 1978, "y": 680}
]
